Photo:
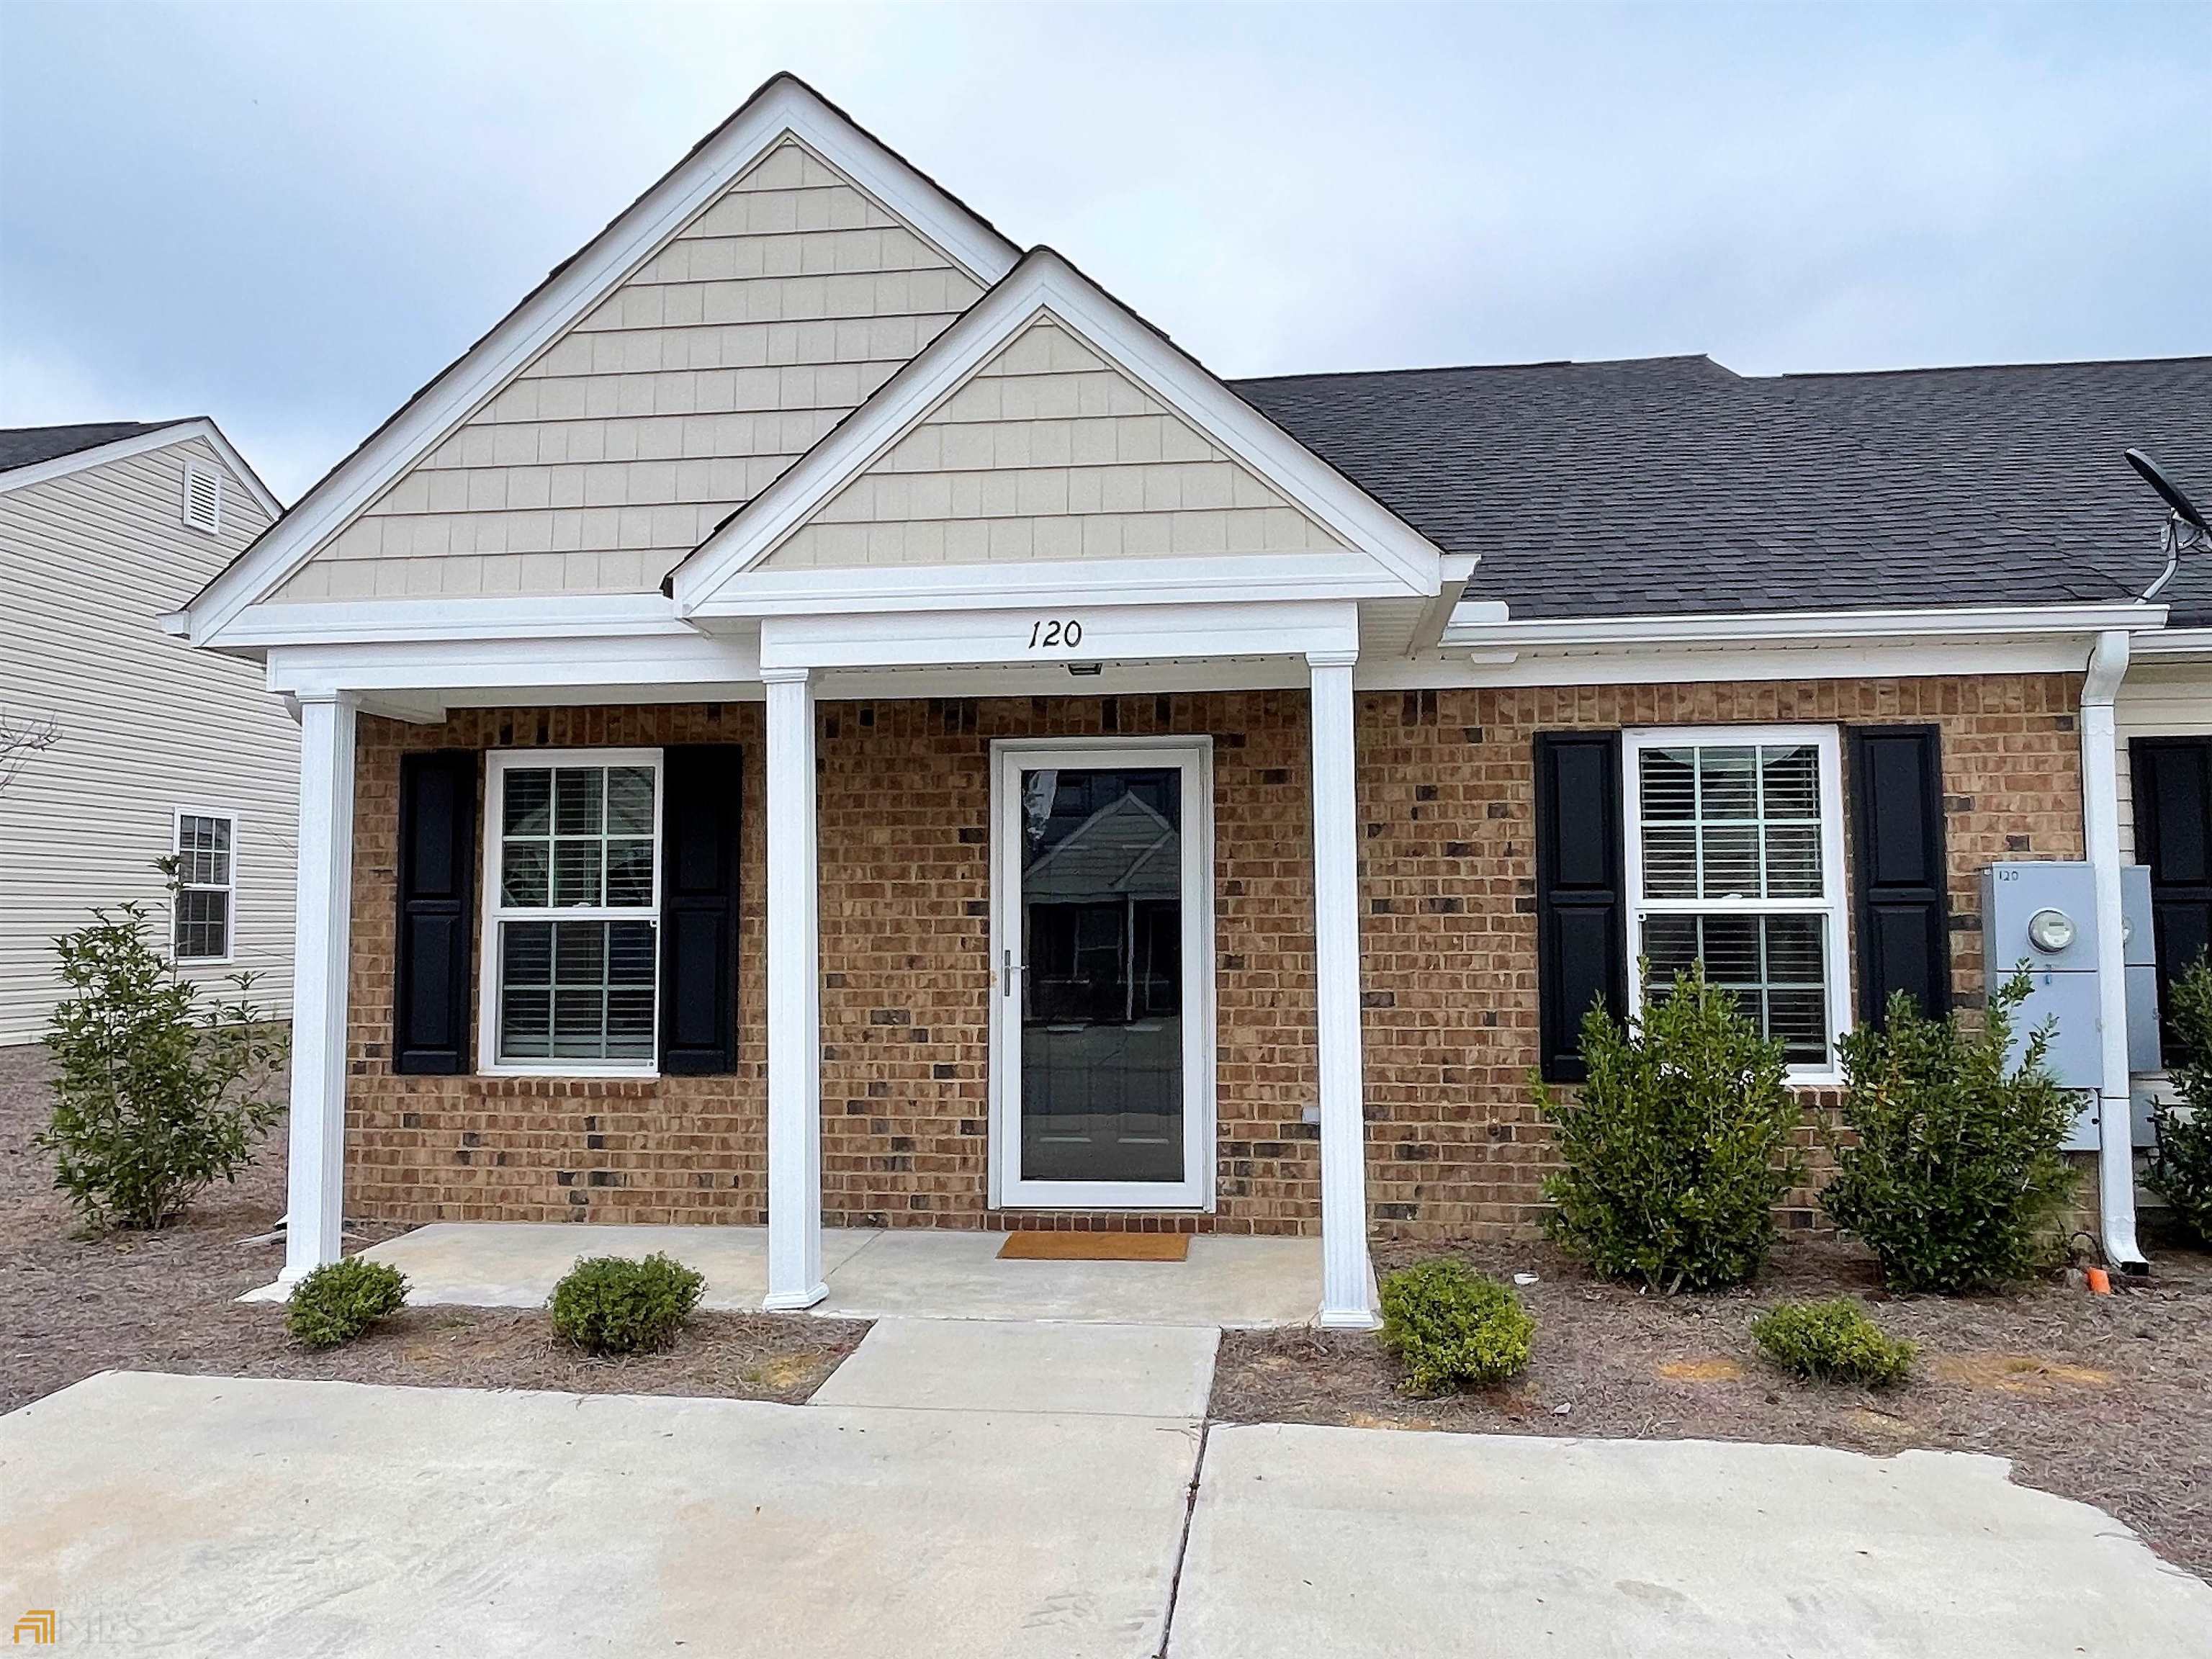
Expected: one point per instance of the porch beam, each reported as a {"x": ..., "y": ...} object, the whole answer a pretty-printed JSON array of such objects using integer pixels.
[
  {"x": 323, "y": 924},
  {"x": 794, "y": 1000},
  {"x": 1344, "y": 1300}
]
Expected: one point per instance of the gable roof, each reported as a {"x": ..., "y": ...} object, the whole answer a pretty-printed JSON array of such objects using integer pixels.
[
  {"x": 783, "y": 105},
  {"x": 27, "y": 446},
  {"x": 1045, "y": 284},
  {"x": 32, "y": 454},
  {"x": 1670, "y": 485}
]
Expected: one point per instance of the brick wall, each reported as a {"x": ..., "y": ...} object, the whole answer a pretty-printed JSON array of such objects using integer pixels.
[{"x": 1448, "y": 885}]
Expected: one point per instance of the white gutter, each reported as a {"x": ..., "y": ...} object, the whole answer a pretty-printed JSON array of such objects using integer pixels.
[
  {"x": 1807, "y": 627},
  {"x": 2101, "y": 814}
]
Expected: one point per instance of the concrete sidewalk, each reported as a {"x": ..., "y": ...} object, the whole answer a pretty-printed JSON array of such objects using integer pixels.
[{"x": 996, "y": 1490}]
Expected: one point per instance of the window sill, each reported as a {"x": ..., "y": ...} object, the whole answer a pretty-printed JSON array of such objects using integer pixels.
[{"x": 575, "y": 1071}]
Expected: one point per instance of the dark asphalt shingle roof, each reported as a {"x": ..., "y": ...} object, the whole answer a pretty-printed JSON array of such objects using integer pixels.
[
  {"x": 1672, "y": 485},
  {"x": 27, "y": 446}
]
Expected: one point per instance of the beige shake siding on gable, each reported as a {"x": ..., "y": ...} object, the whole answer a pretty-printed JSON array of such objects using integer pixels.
[
  {"x": 1048, "y": 453},
  {"x": 772, "y": 315}
]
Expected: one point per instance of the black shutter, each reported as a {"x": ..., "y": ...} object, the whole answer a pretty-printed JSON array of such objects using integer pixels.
[
  {"x": 700, "y": 793},
  {"x": 1581, "y": 910},
  {"x": 437, "y": 900},
  {"x": 2173, "y": 779},
  {"x": 1904, "y": 917}
]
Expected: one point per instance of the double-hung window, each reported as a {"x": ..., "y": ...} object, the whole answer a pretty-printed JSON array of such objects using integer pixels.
[
  {"x": 572, "y": 910},
  {"x": 1735, "y": 859},
  {"x": 207, "y": 884}
]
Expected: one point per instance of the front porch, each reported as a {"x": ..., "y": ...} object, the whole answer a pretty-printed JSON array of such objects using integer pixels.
[{"x": 1234, "y": 1283}]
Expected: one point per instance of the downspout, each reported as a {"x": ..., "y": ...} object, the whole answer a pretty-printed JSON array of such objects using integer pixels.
[{"x": 2101, "y": 814}]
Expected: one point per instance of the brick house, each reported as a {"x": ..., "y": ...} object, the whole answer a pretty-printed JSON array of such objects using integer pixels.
[{"x": 824, "y": 717}]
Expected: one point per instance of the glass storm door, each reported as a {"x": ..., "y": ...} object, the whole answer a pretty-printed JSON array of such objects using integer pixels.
[{"x": 1103, "y": 939}]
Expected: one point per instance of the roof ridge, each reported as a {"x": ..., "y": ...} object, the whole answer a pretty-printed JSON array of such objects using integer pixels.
[
  {"x": 1488, "y": 369},
  {"x": 1979, "y": 368}
]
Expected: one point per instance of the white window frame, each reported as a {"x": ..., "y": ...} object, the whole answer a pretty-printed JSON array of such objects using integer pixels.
[
  {"x": 200, "y": 470},
  {"x": 1831, "y": 906},
  {"x": 229, "y": 890},
  {"x": 497, "y": 764}
]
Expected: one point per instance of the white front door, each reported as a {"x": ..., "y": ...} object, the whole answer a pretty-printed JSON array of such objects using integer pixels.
[{"x": 1101, "y": 944}]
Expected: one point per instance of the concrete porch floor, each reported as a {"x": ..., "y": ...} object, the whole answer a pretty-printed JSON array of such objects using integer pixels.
[{"x": 915, "y": 1272}]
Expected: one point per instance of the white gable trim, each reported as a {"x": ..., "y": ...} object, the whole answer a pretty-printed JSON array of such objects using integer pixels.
[
  {"x": 707, "y": 584},
  {"x": 22, "y": 477},
  {"x": 785, "y": 106}
]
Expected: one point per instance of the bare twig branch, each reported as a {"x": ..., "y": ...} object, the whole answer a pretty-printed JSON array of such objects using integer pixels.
[{"x": 21, "y": 737}]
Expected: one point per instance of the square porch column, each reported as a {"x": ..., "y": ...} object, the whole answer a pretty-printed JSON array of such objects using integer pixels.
[
  {"x": 321, "y": 957},
  {"x": 794, "y": 1000},
  {"x": 1345, "y": 1304}
]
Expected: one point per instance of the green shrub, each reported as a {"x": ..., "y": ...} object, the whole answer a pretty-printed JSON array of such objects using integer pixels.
[
  {"x": 156, "y": 1097},
  {"x": 1453, "y": 1328},
  {"x": 1832, "y": 1342},
  {"x": 1677, "y": 1146},
  {"x": 337, "y": 1302},
  {"x": 609, "y": 1304},
  {"x": 2180, "y": 1170},
  {"x": 1954, "y": 1176}
]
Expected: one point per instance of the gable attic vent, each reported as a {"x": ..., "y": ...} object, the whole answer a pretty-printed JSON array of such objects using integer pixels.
[{"x": 203, "y": 498}]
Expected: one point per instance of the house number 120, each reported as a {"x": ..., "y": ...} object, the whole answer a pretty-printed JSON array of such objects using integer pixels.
[{"x": 1047, "y": 634}]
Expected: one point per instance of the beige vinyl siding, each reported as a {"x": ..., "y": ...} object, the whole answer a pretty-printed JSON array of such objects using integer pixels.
[
  {"x": 87, "y": 561},
  {"x": 1050, "y": 452},
  {"x": 2157, "y": 701},
  {"x": 773, "y": 314}
]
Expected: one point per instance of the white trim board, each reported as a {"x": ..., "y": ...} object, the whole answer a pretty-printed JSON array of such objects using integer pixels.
[
  {"x": 1919, "y": 622},
  {"x": 785, "y": 105},
  {"x": 713, "y": 580},
  {"x": 177, "y": 432}
]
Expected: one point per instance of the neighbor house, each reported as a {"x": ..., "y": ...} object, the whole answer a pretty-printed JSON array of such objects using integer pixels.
[
  {"x": 824, "y": 715},
  {"x": 127, "y": 751}
]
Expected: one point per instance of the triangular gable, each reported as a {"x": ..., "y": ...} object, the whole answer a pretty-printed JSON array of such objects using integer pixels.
[
  {"x": 1050, "y": 424},
  {"x": 443, "y": 499}
]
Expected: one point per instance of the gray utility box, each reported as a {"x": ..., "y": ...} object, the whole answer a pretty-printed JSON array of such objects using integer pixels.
[{"x": 2043, "y": 914}]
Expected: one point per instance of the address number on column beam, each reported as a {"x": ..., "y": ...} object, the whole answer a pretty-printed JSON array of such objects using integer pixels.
[{"x": 1056, "y": 634}]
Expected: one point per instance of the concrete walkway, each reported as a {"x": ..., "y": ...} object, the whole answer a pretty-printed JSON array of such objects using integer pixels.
[
  {"x": 990, "y": 1489},
  {"x": 1231, "y": 1282}
]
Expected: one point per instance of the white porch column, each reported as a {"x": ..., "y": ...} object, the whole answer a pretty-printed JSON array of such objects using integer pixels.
[
  {"x": 794, "y": 1000},
  {"x": 323, "y": 929},
  {"x": 1344, "y": 1275}
]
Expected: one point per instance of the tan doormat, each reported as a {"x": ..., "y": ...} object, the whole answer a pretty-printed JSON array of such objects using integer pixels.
[{"x": 1094, "y": 1247}]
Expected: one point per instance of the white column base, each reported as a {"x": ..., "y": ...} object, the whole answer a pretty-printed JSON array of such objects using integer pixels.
[
  {"x": 1347, "y": 1281},
  {"x": 795, "y": 1277}
]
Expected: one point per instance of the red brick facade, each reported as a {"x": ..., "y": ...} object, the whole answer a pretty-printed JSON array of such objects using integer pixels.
[{"x": 1455, "y": 1144}]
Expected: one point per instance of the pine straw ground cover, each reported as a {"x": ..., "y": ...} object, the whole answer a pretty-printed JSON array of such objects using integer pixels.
[
  {"x": 2103, "y": 1399},
  {"x": 72, "y": 1305}
]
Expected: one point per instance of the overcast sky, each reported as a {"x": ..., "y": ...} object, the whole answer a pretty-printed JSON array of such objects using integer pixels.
[{"x": 291, "y": 217}]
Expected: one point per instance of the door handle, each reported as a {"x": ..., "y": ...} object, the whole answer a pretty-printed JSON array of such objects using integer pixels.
[{"x": 1011, "y": 973}]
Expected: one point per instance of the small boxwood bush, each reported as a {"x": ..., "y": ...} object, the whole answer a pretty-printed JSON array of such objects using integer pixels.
[
  {"x": 1453, "y": 1328},
  {"x": 1677, "y": 1146},
  {"x": 1832, "y": 1342},
  {"x": 1952, "y": 1172},
  {"x": 337, "y": 1302},
  {"x": 2180, "y": 1170},
  {"x": 610, "y": 1304}
]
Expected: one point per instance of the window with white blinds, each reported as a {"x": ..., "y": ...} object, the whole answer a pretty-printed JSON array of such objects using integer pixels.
[
  {"x": 206, "y": 885},
  {"x": 573, "y": 910},
  {"x": 203, "y": 501},
  {"x": 1735, "y": 859}
]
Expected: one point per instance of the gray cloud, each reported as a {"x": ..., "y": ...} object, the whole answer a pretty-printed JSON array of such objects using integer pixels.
[{"x": 288, "y": 217}]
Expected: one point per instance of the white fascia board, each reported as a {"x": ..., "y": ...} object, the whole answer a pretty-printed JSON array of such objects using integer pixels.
[
  {"x": 660, "y": 668},
  {"x": 2055, "y": 653},
  {"x": 1043, "y": 283},
  {"x": 514, "y": 616},
  {"x": 1807, "y": 627},
  {"x": 22, "y": 477},
  {"x": 785, "y": 106},
  {"x": 2177, "y": 643},
  {"x": 1119, "y": 634},
  {"x": 847, "y": 590}
]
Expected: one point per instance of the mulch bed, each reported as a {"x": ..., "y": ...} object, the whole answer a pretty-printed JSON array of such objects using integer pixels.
[
  {"x": 2107, "y": 1400},
  {"x": 72, "y": 1304}
]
